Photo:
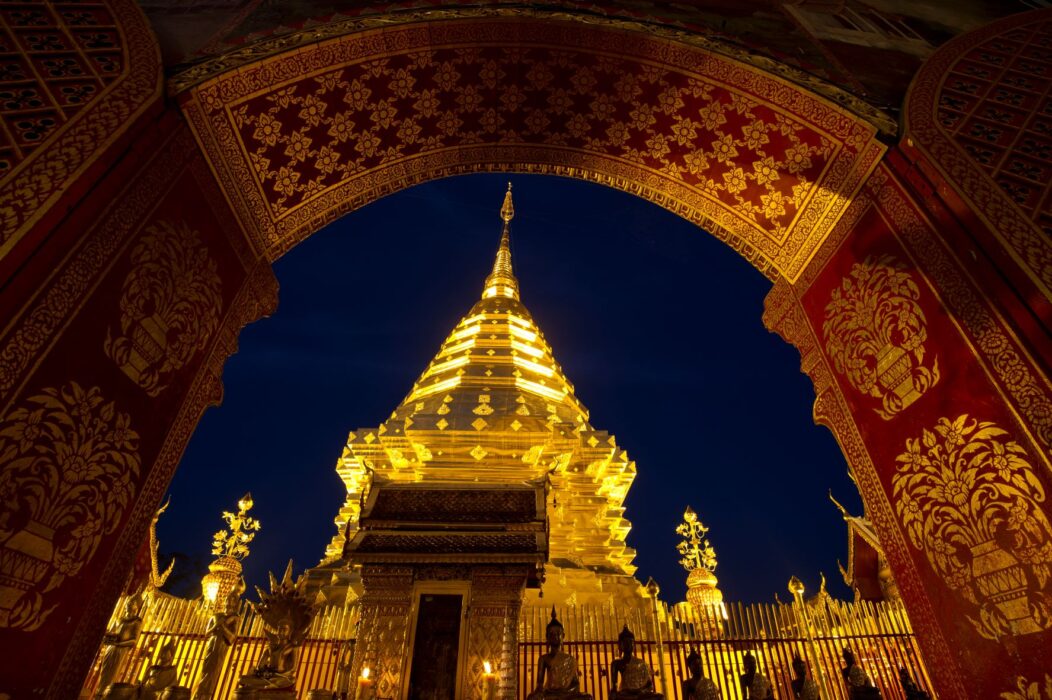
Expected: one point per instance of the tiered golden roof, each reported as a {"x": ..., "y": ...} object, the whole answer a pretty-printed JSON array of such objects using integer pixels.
[{"x": 493, "y": 407}]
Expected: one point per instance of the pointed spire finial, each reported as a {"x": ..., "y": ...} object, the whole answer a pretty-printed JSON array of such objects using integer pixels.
[
  {"x": 507, "y": 210},
  {"x": 501, "y": 282}
]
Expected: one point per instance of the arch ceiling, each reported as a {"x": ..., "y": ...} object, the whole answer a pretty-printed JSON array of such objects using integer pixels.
[{"x": 299, "y": 138}]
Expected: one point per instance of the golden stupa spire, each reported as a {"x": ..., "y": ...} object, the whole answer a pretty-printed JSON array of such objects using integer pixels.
[
  {"x": 494, "y": 407},
  {"x": 501, "y": 282}
]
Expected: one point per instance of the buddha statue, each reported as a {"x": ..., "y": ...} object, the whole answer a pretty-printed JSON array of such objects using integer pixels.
[
  {"x": 221, "y": 631},
  {"x": 276, "y": 668},
  {"x": 698, "y": 687},
  {"x": 557, "y": 671},
  {"x": 161, "y": 675},
  {"x": 754, "y": 684},
  {"x": 858, "y": 684},
  {"x": 287, "y": 613},
  {"x": 804, "y": 688},
  {"x": 118, "y": 642},
  {"x": 630, "y": 677},
  {"x": 909, "y": 687}
]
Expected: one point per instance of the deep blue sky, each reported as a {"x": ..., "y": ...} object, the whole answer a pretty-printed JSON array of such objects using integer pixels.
[{"x": 655, "y": 322}]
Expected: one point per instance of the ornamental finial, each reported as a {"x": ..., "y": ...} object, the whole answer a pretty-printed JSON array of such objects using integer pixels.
[
  {"x": 696, "y": 550},
  {"x": 507, "y": 210},
  {"x": 241, "y": 530},
  {"x": 501, "y": 282}
]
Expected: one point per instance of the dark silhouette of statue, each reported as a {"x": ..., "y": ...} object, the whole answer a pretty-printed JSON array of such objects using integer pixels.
[
  {"x": 630, "y": 677},
  {"x": 859, "y": 687},
  {"x": 557, "y": 677},
  {"x": 804, "y": 688},
  {"x": 698, "y": 687},
  {"x": 754, "y": 684},
  {"x": 909, "y": 687}
]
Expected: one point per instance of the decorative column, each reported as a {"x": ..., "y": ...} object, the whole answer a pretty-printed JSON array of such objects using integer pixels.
[
  {"x": 653, "y": 590},
  {"x": 383, "y": 633},
  {"x": 493, "y": 626}
]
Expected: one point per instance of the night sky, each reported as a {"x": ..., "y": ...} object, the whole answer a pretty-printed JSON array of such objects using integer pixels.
[{"x": 655, "y": 322}]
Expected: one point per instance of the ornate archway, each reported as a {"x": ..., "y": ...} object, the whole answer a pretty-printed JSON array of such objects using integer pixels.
[
  {"x": 125, "y": 312},
  {"x": 303, "y": 136}
]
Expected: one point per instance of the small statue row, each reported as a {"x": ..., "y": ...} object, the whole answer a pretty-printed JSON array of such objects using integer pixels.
[
  {"x": 286, "y": 614},
  {"x": 631, "y": 678},
  {"x": 557, "y": 677},
  {"x": 117, "y": 644}
]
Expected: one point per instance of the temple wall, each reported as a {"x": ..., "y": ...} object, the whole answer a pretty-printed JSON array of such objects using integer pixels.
[
  {"x": 915, "y": 367},
  {"x": 116, "y": 328}
]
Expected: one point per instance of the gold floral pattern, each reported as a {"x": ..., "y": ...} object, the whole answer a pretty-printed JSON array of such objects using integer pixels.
[
  {"x": 1029, "y": 691},
  {"x": 71, "y": 462},
  {"x": 875, "y": 333},
  {"x": 970, "y": 500},
  {"x": 169, "y": 306},
  {"x": 303, "y": 137}
]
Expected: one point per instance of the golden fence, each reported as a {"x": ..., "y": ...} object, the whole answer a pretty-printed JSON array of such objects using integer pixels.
[
  {"x": 330, "y": 642},
  {"x": 879, "y": 635}
]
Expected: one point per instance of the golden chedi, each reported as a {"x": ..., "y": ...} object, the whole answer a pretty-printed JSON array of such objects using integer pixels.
[{"x": 493, "y": 407}]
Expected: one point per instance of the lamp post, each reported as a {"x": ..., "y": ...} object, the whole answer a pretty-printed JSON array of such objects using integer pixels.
[
  {"x": 796, "y": 587},
  {"x": 652, "y": 590}
]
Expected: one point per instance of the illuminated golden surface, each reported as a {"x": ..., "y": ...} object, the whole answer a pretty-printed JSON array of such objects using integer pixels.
[
  {"x": 229, "y": 546},
  {"x": 698, "y": 558},
  {"x": 493, "y": 407}
]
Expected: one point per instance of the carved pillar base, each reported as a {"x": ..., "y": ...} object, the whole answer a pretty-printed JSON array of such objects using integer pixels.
[
  {"x": 492, "y": 633},
  {"x": 383, "y": 635}
]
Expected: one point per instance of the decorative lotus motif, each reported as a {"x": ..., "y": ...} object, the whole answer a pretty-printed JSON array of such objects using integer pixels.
[
  {"x": 875, "y": 333},
  {"x": 169, "y": 306},
  {"x": 70, "y": 461},
  {"x": 970, "y": 500}
]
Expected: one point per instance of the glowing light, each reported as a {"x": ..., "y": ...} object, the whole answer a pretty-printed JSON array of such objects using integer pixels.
[
  {"x": 459, "y": 347},
  {"x": 436, "y": 388},
  {"x": 465, "y": 332},
  {"x": 486, "y": 667},
  {"x": 527, "y": 349},
  {"x": 211, "y": 591},
  {"x": 540, "y": 390},
  {"x": 448, "y": 365},
  {"x": 522, "y": 333},
  {"x": 365, "y": 673},
  {"x": 533, "y": 367}
]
